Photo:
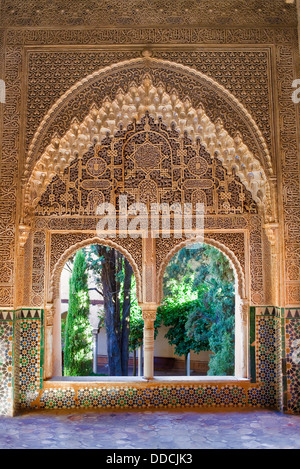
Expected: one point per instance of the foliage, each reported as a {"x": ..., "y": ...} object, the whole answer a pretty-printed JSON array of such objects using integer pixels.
[
  {"x": 78, "y": 331},
  {"x": 218, "y": 303},
  {"x": 175, "y": 317},
  {"x": 198, "y": 306},
  {"x": 136, "y": 323}
]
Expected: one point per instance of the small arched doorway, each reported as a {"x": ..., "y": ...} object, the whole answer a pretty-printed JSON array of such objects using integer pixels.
[
  {"x": 98, "y": 319},
  {"x": 197, "y": 314},
  {"x": 241, "y": 304}
]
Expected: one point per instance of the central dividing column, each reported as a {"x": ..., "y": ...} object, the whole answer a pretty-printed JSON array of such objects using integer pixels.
[
  {"x": 149, "y": 304},
  {"x": 241, "y": 337},
  {"x": 149, "y": 316}
]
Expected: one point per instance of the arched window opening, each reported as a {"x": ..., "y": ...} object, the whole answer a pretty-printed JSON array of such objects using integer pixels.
[
  {"x": 197, "y": 315},
  {"x": 101, "y": 323}
]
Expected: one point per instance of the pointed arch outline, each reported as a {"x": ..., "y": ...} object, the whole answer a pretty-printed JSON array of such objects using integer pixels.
[
  {"x": 234, "y": 262},
  {"x": 241, "y": 301},
  {"x": 58, "y": 267},
  {"x": 237, "y": 155}
]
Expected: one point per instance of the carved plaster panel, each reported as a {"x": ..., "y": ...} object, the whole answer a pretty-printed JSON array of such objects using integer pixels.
[
  {"x": 114, "y": 114},
  {"x": 9, "y": 170},
  {"x": 289, "y": 151},
  {"x": 150, "y": 164},
  {"x": 158, "y": 12},
  {"x": 51, "y": 73},
  {"x": 284, "y": 41},
  {"x": 183, "y": 81}
]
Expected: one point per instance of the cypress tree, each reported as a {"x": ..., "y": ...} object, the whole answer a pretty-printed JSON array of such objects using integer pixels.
[{"x": 78, "y": 335}]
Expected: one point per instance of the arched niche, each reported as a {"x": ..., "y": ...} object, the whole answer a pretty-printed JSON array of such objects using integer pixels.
[
  {"x": 149, "y": 87},
  {"x": 241, "y": 299},
  {"x": 50, "y": 154},
  {"x": 234, "y": 262},
  {"x": 53, "y": 327}
]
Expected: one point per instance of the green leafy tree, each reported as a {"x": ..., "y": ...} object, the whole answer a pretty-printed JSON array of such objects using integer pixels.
[
  {"x": 198, "y": 306},
  {"x": 78, "y": 331},
  {"x": 221, "y": 340},
  {"x": 217, "y": 303},
  {"x": 175, "y": 313},
  {"x": 123, "y": 319}
]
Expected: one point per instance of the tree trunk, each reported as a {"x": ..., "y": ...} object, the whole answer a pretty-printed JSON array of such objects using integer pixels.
[
  {"x": 112, "y": 312},
  {"x": 117, "y": 330},
  {"x": 126, "y": 318}
]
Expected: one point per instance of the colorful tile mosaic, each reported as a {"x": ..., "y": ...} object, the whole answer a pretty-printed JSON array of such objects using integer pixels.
[
  {"x": 252, "y": 345},
  {"x": 155, "y": 396},
  {"x": 57, "y": 399},
  {"x": 268, "y": 356},
  {"x": 274, "y": 354},
  {"x": 16, "y": 367},
  {"x": 6, "y": 364},
  {"x": 30, "y": 358},
  {"x": 292, "y": 344}
]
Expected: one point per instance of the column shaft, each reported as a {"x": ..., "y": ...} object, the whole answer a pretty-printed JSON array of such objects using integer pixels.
[{"x": 149, "y": 316}]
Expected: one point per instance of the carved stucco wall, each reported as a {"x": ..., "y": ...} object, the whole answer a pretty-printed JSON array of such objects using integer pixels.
[
  {"x": 168, "y": 175},
  {"x": 263, "y": 63},
  {"x": 120, "y": 109},
  {"x": 292, "y": 268},
  {"x": 249, "y": 50},
  {"x": 173, "y": 12}
]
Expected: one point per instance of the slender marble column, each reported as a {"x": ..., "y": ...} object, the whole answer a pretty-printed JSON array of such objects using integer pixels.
[
  {"x": 241, "y": 338},
  {"x": 95, "y": 340},
  {"x": 149, "y": 315},
  {"x": 49, "y": 359}
]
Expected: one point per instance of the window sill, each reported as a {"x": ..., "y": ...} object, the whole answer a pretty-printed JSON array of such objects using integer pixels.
[{"x": 139, "y": 380}]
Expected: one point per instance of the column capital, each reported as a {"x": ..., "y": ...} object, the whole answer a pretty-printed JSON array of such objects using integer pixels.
[
  {"x": 244, "y": 308},
  {"x": 149, "y": 310},
  {"x": 24, "y": 231},
  {"x": 271, "y": 230},
  {"x": 50, "y": 310}
]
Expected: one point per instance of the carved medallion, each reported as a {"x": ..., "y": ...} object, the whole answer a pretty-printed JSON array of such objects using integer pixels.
[
  {"x": 148, "y": 191},
  {"x": 96, "y": 166},
  {"x": 147, "y": 156},
  {"x": 197, "y": 166}
]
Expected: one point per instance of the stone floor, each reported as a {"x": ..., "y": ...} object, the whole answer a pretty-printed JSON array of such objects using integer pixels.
[{"x": 174, "y": 429}]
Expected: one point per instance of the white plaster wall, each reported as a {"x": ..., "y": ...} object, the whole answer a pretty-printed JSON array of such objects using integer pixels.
[
  {"x": 102, "y": 342},
  {"x": 162, "y": 348}
]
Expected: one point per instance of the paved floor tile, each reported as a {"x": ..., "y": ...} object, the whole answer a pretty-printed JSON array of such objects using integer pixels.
[{"x": 151, "y": 430}]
